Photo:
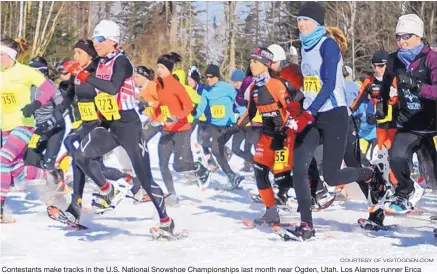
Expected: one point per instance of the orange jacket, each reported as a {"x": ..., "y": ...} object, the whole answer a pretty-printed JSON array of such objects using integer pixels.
[{"x": 173, "y": 100}]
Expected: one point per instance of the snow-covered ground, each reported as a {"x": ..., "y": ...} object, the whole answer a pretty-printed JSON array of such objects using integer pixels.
[{"x": 216, "y": 236}]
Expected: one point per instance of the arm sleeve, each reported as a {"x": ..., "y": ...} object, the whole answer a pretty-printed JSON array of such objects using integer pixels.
[
  {"x": 250, "y": 112},
  {"x": 331, "y": 55},
  {"x": 240, "y": 95},
  {"x": 362, "y": 95},
  {"x": 122, "y": 70},
  {"x": 430, "y": 91},
  {"x": 37, "y": 79},
  {"x": 202, "y": 105}
]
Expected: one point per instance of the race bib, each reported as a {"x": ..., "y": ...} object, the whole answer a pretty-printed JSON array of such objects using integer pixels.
[
  {"x": 312, "y": 84},
  {"x": 9, "y": 102},
  {"x": 149, "y": 111},
  {"x": 107, "y": 106},
  {"x": 218, "y": 112},
  {"x": 435, "y": 141},
  {"x": 281, "y": 159},
  {"x": 87, "y": 111},
  {"x": 33, "y": 143},
  {"x": 165, "y": 112}
]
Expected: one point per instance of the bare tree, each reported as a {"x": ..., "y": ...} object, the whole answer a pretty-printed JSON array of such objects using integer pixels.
[{"x": 38, "y": 25}]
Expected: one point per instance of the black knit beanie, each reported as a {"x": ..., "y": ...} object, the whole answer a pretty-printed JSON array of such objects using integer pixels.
[
  {"x": 87, "y": 46},
  {"x": 313, "y": 10},
  {"x": 166, "y": 62}
]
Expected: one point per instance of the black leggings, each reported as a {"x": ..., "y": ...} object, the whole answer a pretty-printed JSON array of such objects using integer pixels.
[
  {"x": 46, "y": 160},
  {"x": 331, "y": 129},
  {"x": 405, "y": 144},
  {"x": 126, "y": 132},
  {"x": 150, "y": 131},
  {"x": 352, "y": 155},
  {"x": 237, "y": 139},
  {"x": 179, "y": 144},
  {"x": 221, "y": 158},
  {"x": 204, "y": 135}
]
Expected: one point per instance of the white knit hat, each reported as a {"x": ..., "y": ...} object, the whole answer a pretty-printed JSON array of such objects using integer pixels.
[
  {"x": 410, "y": 23},
  {"x": 108, "y": 29}
]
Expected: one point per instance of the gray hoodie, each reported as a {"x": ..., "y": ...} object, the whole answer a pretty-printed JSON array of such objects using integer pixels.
[{"x": 45, "y": 111}]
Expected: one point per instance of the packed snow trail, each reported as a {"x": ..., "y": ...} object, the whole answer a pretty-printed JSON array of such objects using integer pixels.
[{"x": 216, "y": 234}]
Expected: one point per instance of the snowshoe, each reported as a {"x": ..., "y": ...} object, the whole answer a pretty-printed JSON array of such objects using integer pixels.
[
  {"x": 372, "y": 226},
  {"x": 203, "y": 176},
  {"x": 58, "y": 215},
  {"x": 300, "y": 233},
  {"x": 107, "y": 200},
  {"x": 165, "y": 232},
  {"x": 322, "y": 200},
  {"x": 74, "y": 210},
  {"x": 234, "y": 180},
  {"x": 400, "y": 206}
]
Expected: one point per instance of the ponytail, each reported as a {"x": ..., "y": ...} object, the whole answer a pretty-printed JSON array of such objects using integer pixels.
[{"x": 339, "y": 37}]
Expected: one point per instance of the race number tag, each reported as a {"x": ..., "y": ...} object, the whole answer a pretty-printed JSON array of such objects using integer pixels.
[
  {"x": 149, "y": 111},
  {"x": 107, "y": 106},
  {"x": 281, "y": 159},
  {"x": 218, "y": 112},
  {"x": 9, "y": 102},
  {"x": 312, "y": 84},
  {"x": 76, "y": 124},
  {"x": 87, "y": 111},
  {"x": 165, "y": 112},
  {"x": 33, "y": 143}
]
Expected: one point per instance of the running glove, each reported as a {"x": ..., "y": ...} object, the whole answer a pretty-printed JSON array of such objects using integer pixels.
[
  {"x": 29, "y": 109},
  {"x": 299, "y": 123},
  {"x": 74, "y": 68},
  {"x": 408, "y": 82}
]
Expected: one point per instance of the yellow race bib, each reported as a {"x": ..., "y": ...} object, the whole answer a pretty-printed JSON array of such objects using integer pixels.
[
  {"x": 107, "y": 106},
  {"x": 165, "y": 112},
  {"x": 281, "y": 159},
  {"x": 9, "y": 102},
  {"x": 218, "y": 112},
  {"x": 149, "y": 111},
  {"x": 33, "y": 143},
  {"x": 87, "y": 111},
  {"x": 312, "y": 84}
]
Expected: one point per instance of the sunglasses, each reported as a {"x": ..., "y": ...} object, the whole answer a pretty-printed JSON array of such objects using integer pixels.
[
  {"x": 209, "y": 76},
  {"x": 99, "y": 39},
  {"x": 378, "y": 65},
  {"x": 404, "y": 37}
]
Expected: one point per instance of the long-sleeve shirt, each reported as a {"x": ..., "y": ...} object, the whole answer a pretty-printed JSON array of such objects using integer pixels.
[
  {"x": 15, "y": 91},
  {"x": 220, "y": 99}
]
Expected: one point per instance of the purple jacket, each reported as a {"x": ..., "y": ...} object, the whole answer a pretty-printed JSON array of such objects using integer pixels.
[{"x": 417, "y": 108}]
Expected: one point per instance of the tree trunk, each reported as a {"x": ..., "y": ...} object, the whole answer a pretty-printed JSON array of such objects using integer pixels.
[
  {"x": 232, "y": 8},
  {"x": 174, "y": 25},
  {"x": 26, "y": 8},
  {"x": 20, "y": 22},
  {"x": 257, "y": 23},
  {"x": 432, "y": 22},
  {"x": 11, "y": 12},
  {"x": 43, "y": 35},
  {"x": 353, "y": 5},
  {"x": 38, "y": 25},
  {"x": 90, "y": 18},
  {"x": 190, "y": 31},
  {"x": 47, "y": 40},
  {"x": 5, "y": 16}
]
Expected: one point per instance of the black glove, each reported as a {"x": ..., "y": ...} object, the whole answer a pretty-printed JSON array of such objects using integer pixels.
[
  {"x": 371, "y": 119},
  {"x": 278, "y": 141},
  {"x": 58, "y": 117},
  {"x": 29, "y": 109},
  {"x": 172, "y": 119},
  {"x": 194, "y": 112},
  {"x": 408, "y": 82}
]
